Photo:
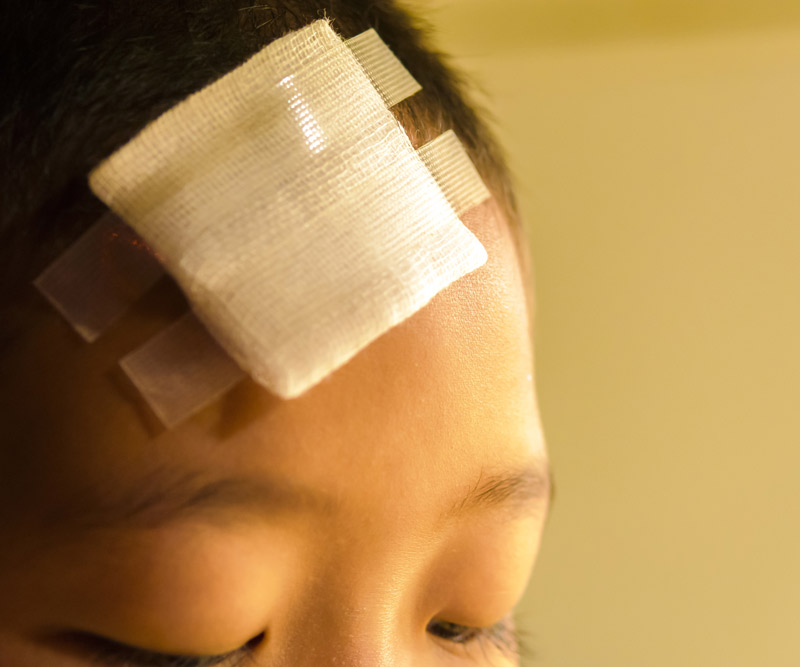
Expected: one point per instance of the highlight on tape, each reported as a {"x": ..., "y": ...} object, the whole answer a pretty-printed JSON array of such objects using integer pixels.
[{"x": 290, "y": 207}]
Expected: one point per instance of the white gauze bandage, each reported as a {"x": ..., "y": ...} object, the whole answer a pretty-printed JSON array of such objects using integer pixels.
[{"x": 291, "y": 208}]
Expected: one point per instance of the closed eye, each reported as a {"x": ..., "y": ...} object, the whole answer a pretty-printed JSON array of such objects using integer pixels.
[
  {"x": 503, "y": 635},
  {"x": 110, "y": 653}
]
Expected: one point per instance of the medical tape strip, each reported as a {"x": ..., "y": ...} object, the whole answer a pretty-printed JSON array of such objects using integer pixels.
[
  {"x": 99, "y": 276},
  {"x": 385, "y": 71},
  {"x": 181, "y": 370},
  {"x": 452, "y": 168},
  {"x": 296, "y": 262}
]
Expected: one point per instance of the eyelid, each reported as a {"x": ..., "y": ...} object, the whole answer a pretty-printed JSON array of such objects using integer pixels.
[{"x": 112, "y": 653}]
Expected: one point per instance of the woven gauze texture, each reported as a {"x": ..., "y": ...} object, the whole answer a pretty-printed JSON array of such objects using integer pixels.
[{"x": 291, "y": 208}]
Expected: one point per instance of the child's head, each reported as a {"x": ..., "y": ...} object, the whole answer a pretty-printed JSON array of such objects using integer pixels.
[{"x": 376, "y": 520}]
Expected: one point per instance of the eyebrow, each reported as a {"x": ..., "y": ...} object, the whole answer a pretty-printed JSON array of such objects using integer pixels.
[
  {"x": 164, "y": 496},
  {"x": 515, "y": 492},
  {"x": 519, "y": 492}
]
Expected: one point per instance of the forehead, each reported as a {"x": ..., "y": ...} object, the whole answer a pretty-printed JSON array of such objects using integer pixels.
[{"x": 435, "y": 399}]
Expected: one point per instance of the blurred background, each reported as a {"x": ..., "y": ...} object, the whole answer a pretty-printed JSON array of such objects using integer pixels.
[{"x": 656, "y": 145}]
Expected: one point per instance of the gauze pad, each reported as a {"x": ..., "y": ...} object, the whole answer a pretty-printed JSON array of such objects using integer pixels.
[
  {"x": 182, "y": 370},
  {"x": 291, "y": 208}
]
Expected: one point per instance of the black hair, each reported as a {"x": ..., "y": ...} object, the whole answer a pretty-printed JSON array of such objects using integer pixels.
[{"x": 81, "y": 78}]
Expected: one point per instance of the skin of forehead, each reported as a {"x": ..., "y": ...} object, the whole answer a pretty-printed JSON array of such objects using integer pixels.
[{"x": 391, "y": 435}]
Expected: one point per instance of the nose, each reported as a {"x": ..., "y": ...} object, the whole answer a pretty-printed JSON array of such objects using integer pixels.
[
  {"x": 348, "y": 626},
  {"x": 345, "y": 642},
  {"x": 347, "y": 652}
]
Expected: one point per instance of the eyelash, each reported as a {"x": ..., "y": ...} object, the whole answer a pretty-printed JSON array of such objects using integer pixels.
[
  {"x": 503, "y": 636},
  {"x": 112, "y": 654}
]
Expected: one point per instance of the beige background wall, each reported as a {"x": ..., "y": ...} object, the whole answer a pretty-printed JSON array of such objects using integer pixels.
[{"x": 657, "y": 148}]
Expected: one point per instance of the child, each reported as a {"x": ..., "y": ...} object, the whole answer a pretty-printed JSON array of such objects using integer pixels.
[{"x": 389, "y": 516}]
